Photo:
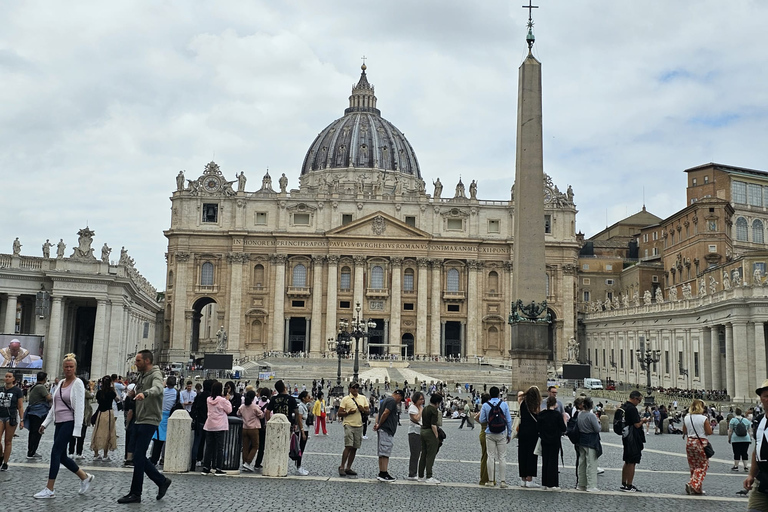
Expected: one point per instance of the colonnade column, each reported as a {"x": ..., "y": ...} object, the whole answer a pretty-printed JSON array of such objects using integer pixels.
[
  {"x": 116, "y": 349},
  {"x": 287, "y": 336},
  {"x": 307, "y": 331},
  {"x": 99, "y": 352},
  {"x": 435, "y": 330},
  {"x": 182, "y": 325},
  {"x": 761, "y": 372},
  {"x": 331, "y": 300},
  {"x": 705, "y": 358},
  {"x": 315, "y": 340},
  {"x": 738, "y": 361},
  {"x": 359, "y": 289},
  {"x": 730, "y": 378},
  {"x": 10, "y": 314},
  {"x": 506, "y": 341},
  {"x": 278, "y": 325},
  {"x": 473, "y": 266},
  {"x": 236, "y": 262},
  {"x": 395, "y": 302},
  {"x": 421, "y": 308},
  {"x": 53, "y": 340},
  {"x": 717, "y": 381}
]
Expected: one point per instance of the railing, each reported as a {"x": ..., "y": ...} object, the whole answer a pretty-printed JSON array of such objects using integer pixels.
[
  {"x": 31, "y": 263},
  {"x": 299, "y": 291},
  {"x": 377, "y": 292},
  {"x": 5, "y": 260},
  {"x": 454, "y": 295}
]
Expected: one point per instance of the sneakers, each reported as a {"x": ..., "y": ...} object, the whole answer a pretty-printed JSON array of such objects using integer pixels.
[
  {"x": 365, "y": 437},
  {"x": 600, "y": 470},
  {"x": 79, "y": 456},
  {"x": 302, "y": 472},
  {"x": 629, "y": 488},
  {"x": 593, "y": 489},
  {"x": 503, "y": 485},
  {"x": 206, "y": 471},
  {"x": 85, "y": 485},
  {"x": 32, "y": 457},
  {"x": 129, "y": 498},
  {"x": 734, "y": 468},
  {"x": 532, "y": 484},
  {"x": 97, "y": 458},
  {"x": 342, "y": 472},
  {"x": 349, "y": 472},
  {"x": 246, "y": 467},
  {"x": 4, "y": 467},
  {"x": 432, "y": 480},
  {"x": 219, "y": 472},
  {"x": 414, "y": 477},
  {"x": 45, "y": 494},
  {"x": 385, "y": 477},
  {"x": 746, "y": 469},
  {"x": 688, "y": 489}
]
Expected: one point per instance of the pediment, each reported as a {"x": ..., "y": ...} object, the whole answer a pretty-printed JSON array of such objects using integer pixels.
[{"x": 378, "y": 224}]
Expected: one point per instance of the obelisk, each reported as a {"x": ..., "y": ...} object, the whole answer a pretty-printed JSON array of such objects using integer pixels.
[{"x": 528, "y": 318}]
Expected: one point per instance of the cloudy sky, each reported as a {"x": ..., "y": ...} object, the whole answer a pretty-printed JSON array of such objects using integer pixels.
[{"x": 104, "y": 102}]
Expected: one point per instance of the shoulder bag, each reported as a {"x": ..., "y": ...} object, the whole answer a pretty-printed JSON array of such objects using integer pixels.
[{"x": 708, "y": 450}]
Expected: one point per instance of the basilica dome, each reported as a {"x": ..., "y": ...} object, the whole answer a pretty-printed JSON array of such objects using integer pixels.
[{"x": 361, "y": 139}]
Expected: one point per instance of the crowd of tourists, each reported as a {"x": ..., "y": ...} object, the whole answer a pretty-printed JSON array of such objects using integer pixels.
[{"x": 542, "y": 426}]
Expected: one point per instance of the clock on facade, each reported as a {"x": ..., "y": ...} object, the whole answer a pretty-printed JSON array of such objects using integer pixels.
[{"x": 211, "y": 184}]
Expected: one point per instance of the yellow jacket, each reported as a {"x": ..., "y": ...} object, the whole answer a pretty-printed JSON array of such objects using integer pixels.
[{"x": 319, "y": 408}]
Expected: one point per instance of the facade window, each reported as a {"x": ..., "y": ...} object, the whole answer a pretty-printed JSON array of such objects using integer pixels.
[
  {"x": 655, "y": 279},
  {"x": 210, "y": 212},
  {"x": 170, "y": 279},
  {"x": 345, "y": 304},
  {"x": 297, "y": 303},
  {"x": 712, "y": 248},
  {"x": 494, "y": 226},
  {"x": 755, "y": 195},
  {"x": 585, "y": 280},
  {"x": 455, "y": 224},
  {"x": 299, "y": 276},
  {"x": 655, "y": 251},
  {"x": 452, "y": 280},
  {"x": 377, "y": 277},
  {"x": 258, "y": 276},
  {"x": 586, "y": 296},
  {"x": 453, "y": 308},
  {"x": 655, "y": 235},
  {"x": 585, "y": 266},
  {"x": 757, "y": 231},
  {"x": 408, "y": 306},
  {"x": 605, "y": 362},
  {"x": 609, "y": 267},
  {"x": 301, "y": 219},
  {"x": 548, "y": 224},
  {"x": 346, "y": 279},
  {"x": 261, "y": 218},
  {"x": 712, "y": 225},
  {"x": 410, "y": 220},
  {"x": 206, "y": 274},
  {"x": 694, "y": 182},
  {"x": 610, "y": 295},
  {"x": 408, "y": 280},
  {"x": 741, "y": 229},
  {"x": 609, "y": 282},
  {"x": 739, "y": 192},
  {"x": 621, "y": 358},
  {"x": 706, "y": 179},
  {"x": 547, "y": 285},
  {"x": 146, "y": 330},
  {"x": 346, "y": 218},
  {"x": 666, "y": 362}
]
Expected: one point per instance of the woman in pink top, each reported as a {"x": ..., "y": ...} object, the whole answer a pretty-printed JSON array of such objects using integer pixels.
[
  {"x": 215, "y": 427},
  {"x": 251, "y": 414}
]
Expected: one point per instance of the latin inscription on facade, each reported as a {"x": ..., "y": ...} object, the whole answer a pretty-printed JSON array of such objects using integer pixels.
[{"x": 352, "y": 244}]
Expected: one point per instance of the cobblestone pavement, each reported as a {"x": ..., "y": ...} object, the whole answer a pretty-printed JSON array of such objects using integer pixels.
[{"x": 661, "y": 476}]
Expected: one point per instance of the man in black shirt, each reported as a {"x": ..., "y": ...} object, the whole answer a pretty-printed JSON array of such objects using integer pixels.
[
  {"x": 386, "y": 426},
  {"x": 633, "y": 440},
  {"x": 283, "y": 403}
]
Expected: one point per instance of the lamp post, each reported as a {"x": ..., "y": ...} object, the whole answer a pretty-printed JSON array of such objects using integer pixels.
[
  {"x": 356, "y": 328},
  {"x": 646, "y": 359},
  {"x": 341, "y": 347}
]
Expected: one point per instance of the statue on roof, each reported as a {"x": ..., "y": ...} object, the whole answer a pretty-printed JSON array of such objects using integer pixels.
[
  {"x": 47, "y": 248},
  {"x": 438, "y": 189},
  {"x": 473, "y": 190},
  {"x": 283, "y": 182},
  {"x": 241, "y": 179},
  {"x": 60, "y": 248},
  {"x": 84, "y": 251},
  {"x": 460, "y": 191},
  {"x": 16, "y": 247},
  {"x": 180, "y": 181}
]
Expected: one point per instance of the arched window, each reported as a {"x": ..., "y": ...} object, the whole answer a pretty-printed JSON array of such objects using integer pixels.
[
  {"x": 453, "y": 280},
  {"x": 346, "y": 279},
  {"x": 377, "y": 277},
  {"x": 493, "y": 282},
  {"x": 206, "y": 274},
  {"x": 408, "y": 280},
  {"x": 741, "y": 229},
  {"x": 258, "y": 276},
  {"x": 757, "y": 232},
  {"x": 299, "y": 276}
]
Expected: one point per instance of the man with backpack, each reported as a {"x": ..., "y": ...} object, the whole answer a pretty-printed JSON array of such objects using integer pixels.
[
  {"x": 629, "y": 425},
  {"x": 498, "y": 433}
]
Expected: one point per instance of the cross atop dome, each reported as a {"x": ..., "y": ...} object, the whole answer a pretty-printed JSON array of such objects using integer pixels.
[{"x": 363, "y": 97}]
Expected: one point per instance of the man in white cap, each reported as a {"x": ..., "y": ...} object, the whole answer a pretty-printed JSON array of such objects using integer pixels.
[{"x": 758, "y": 471}]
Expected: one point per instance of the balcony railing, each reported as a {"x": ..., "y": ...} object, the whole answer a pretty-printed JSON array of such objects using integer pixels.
[
  {"x": 299, "y": 291},
  {"x": 377, "y": 292},
  {"x": 454, "y": 296}
]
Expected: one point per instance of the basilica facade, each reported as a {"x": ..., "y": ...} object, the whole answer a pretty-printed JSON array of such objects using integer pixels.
[{"x": 277, "y": 268}]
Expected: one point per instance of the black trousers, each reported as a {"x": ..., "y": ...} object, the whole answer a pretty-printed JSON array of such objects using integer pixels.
[
  {"x": 34, "y": 434},
  {"x": 77, "y": 442},
  {"x": 549, "y": 473},
  {"x": 214, "y": 449},
  {"x": 260, "y": 453}
]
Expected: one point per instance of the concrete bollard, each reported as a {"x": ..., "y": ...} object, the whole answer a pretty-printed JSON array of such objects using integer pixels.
[
  {"x": 277, "y": 439},
  {"x": 665, "y": 426},
  {"x": 723, "y": 428},
  {"x": 605, "y": 424},
  {"x": 178, "y": 442}
]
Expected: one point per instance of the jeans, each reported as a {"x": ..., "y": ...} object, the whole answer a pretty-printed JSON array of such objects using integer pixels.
[
  {"x": 496, "y": 445},
  {"x": 142, "y": 435},
  {"x": 197, "y": 445},
  {"x": 59, "y": 451},
  {"x": 214, "y": 449},
  {"x": 34, "y": 434},
  {"x": 587, "y": 467},
  {"x": 76, "y": 443},
  {"x": 414, "y": 443}
]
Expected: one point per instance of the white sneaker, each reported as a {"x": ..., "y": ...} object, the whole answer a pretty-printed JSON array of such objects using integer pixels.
[
  {"x": 78, "y": 457},
  {"x": 593, "y": 489},
  {"x": 97, "y": 458},
  {"x": 420, "y": 479},
  {"x": 523, "y": 483},
  {"x": 432, "y": 480},
  {"x": 246, "y": 467},
  {"x": 365, "y": 437},
  {"x": 502, "y": 485},
  {"x": 412, "y": 478},
  {"x": 532, "y": 484},
  {"x": 85, "y": 485},
  {"x": 303, "y": 472},
  {"x": 45, "y": 494},
  {"x": 600, "y": 471}
]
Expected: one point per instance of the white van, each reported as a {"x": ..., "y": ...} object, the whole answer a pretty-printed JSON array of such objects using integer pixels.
[
  {"x": 593, "y": 384},
  {"x": 177, "y": 367}
]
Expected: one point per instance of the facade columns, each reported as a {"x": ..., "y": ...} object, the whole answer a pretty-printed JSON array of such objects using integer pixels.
[
  {"x": 53, "y": 341},
  {"x": 761, "y": 372},
  {"x": 359, "y": 290},
  {"x": 99, "y": 354},
  {"x": 182, "y": 326},
  {"x": 307, "y": 332},
  {"x": 236, "y": 261},
  {"x": 506, "y": 341},
  {"x": 396, "y": 306},
  {"x": 315, "y": 341},
  {"x": 10, "y": 314},
  {"x": 278, "y": 320},
  {"x": 385, "y": 337},
  {"x": 473, "y": 267},
  {"x": 738, "y": 359},
  {"x": 331, "y": 300},
  {"x": 705, "y": 358},
  {"x": 441, "y": 352},
  {"x": 116, "y": 350},
  {"x": 421, "y": 308},
  {"x": 435, "y": 330},
  {"x": 715, "y": 359},
  {"x": 286, "y": 336},
  {"x": 730, "y": 378}
]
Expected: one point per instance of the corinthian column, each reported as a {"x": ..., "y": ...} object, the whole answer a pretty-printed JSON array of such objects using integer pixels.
[
  {"x": 331, "y": 302},
  {"x": 181, "y": 325},
  {"x": 473, "y": 266},
  {"x": 236, "y": 261},
  {"x": 278, "y": 326},
  {"x": 396, "y": 302},
  {"x": 315, "y": 341},
  {"x": 359, "y": 280},
  {"x": 53, "y": 340}
]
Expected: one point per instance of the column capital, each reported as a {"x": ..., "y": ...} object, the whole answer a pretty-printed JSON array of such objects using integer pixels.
[
  {"x": 423, "y": 262},
  {"x": 318, "y": 259},
  {"x": 181, "y": 257},
  {"x": 396, "y": 261},
  {"x": 508, "y": 266},
  {"x": 278, "y": 259},
  {"x": 333, "y": 259},
  {"x": 359, "y": 260}
]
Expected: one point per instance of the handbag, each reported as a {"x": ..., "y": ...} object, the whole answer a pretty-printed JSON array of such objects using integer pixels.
[
  {"x": 294, "y": 453},
  {"x": 537, "y": 448},
  {"x": 516, "y": 427},
  {"x": 708, "y": 450}
]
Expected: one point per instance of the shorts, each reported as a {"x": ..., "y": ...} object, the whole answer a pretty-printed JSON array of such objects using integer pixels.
[
  {"x": 385, "y": 444},
  {"x": 757, "y": 499},
  {"x": 353, "y": 437},
  {"x": 631, "y": 459}
]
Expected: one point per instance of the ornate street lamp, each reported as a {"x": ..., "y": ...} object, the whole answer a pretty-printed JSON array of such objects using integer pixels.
[
  {"x": 341, "y": 347},
  {"x": 356, "y": 329},
  {"x": 646, "y": 359}
]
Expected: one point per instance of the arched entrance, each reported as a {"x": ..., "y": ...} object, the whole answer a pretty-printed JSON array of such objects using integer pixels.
[
  {"x": 197, "y": 307},
  {"x": 407, "y": 340},
  {"x": 452, "y": 339}
]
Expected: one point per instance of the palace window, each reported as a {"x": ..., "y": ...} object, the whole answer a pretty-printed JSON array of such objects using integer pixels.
[
  {"x": 741, "y": 229},
  {"x": 261, "y": 218},
  {"x": 299, "y": 276},
  {"x": 408, "y": 280},
  {"x": 301, "y": 219},
  {"x": 410, "y": 220},
  {"x": 739, "y": 192},
  {"x": 757, "y": 231},
  {"x": 345, "y": 304},
  {"x": 586, "y": 296},
  {"x": 408, "y": 306},
  {"x": 493, "y": 282},
  {"x": 206, "y": 274},
  {"x": 455, "y": 225},
  {"x": 452, "y": 280},
  {"x": 258, "y": 276},
  {"x": 695, "y": 364},
  {"x": 346, "y": 218},
  {"x": 377, "y": 277},
  {"x": 345, "y": 282},
  {"x": 755, "y": 194}
]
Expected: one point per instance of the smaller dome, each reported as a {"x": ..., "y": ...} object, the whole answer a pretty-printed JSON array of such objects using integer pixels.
[{"x": 361, "y": 139}]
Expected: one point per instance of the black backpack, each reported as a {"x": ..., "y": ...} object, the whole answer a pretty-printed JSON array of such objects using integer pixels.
[
  {"x": 618, "y": 422},
  {"x": 497, "y": 423},
  {"x": 740, "y": 429},
  {"x": 572, "y": 429}
]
